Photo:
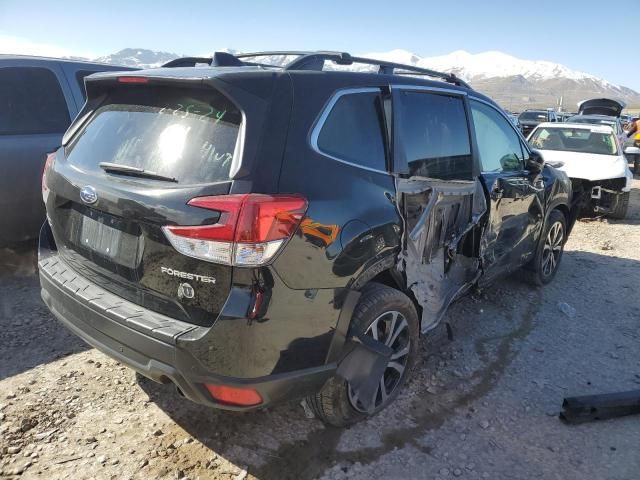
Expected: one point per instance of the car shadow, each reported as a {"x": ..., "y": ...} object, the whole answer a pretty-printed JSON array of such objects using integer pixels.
[
  {"x": 281, "y": 443},
  {"x": 29, "y": 334}
]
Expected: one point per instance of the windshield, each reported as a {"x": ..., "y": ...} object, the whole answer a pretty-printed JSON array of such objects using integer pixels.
[
  {"x": 594, "y": 121},
  {"x": 186, "y": 134},
  {"x": 598, "y": 140},
  {"x": 534, "y": 116}
]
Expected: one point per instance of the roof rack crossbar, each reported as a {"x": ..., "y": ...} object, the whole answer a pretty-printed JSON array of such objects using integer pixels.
[
  {"x": 307, "y": 59},
  {"x": 315, "y": 61}
]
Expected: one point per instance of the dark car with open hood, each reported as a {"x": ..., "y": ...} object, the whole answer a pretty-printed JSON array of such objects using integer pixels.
[
  {"x": 530, "y": 119},
  {"x": 253, "y": 232}
]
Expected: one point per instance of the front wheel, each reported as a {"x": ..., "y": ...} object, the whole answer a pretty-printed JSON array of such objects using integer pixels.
[
  {"x": 386, "y": 315},
  {"x": 544, "y": 266},
  {"x": 622, "y": 206}
]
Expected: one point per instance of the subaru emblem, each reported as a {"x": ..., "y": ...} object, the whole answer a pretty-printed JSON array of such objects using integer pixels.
[{"x": 88, "y": 194}]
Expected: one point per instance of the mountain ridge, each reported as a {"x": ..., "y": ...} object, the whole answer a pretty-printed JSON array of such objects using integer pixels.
[{"x": 515, "y": 83}]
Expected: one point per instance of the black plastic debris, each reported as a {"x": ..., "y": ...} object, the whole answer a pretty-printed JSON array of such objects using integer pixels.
[
  {"x": 589, "y": 408},
  {"x": 363, "y": 367}
]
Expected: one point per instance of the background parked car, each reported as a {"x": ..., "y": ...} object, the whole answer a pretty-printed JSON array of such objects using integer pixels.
[
  {"x": 514, "y": 119},
  {"x": 564, "y": 116},
  {"x": 612, "y": 122},
  {"x": 593, "y": 159},
  {"x": 38, "y": 99},
  {"x": 530, "y": 119}
]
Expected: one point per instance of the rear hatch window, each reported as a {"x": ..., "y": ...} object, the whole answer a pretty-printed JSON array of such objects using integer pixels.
[{"x": 186, "y": 134}]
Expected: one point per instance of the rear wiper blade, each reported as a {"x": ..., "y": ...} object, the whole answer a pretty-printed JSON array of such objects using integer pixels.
[{"x": 135, "y": 171}]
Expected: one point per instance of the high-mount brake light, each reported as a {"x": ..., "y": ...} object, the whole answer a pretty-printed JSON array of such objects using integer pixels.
[
  {"x": 133, "y": 80},
  {"x": 51, "y": 158},
  {"x": 250, "y": 231}
]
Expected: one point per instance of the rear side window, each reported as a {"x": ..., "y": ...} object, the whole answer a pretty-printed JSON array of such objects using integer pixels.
[
  {"x": 353, "y": 131},
  {"x": 31, "y": 102},
  {"x": 186, "y": 134},
  {"x": 432, "y": 136}
]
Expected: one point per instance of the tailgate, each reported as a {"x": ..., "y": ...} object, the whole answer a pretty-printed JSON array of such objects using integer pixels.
[{"x": 107, "y": 222}]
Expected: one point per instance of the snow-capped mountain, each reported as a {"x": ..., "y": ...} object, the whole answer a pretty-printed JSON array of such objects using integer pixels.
[
  {"x": 513, "y": 82},
  {"x": 138, "y": 58},
  {"x": 486, "y": 65},
  {"x": 518, "y": 83}
]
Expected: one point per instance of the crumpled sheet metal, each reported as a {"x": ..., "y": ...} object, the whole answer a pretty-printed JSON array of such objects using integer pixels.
[{"x": 437, "y": 215}]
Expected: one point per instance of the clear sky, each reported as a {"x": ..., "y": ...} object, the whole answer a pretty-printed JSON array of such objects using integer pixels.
[{"x": 587, "y": 35}]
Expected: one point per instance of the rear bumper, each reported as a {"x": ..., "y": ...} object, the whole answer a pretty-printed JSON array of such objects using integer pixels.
[{"x": 149, "y": 342}]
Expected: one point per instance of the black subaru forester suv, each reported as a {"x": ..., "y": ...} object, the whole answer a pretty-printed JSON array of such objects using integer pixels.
[{"x": 254, "y": 233}]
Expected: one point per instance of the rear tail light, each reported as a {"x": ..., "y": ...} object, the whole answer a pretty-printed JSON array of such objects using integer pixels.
[
  {"x": 246, "y": 397},
  {"x": 250, "y": 231},
  {"x": 51, "y": 158}
]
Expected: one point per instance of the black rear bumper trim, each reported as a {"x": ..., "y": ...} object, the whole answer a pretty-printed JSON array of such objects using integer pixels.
[{"x": 105, "y": 324}]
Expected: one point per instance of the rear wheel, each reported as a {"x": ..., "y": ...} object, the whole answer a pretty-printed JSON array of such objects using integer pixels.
[
  {"x": 386, "y": 315},
  {"x": 544, "y": 266},
  {"x": 622, "y": 206}
]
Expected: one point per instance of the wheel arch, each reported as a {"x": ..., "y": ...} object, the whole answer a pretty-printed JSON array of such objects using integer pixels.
[
  {"x": 385, "y": 272},
  {"x": 570, "y": 213}
]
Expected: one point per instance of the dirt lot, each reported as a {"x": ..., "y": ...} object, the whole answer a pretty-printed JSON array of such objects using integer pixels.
[{"x": 482, "y": 406}]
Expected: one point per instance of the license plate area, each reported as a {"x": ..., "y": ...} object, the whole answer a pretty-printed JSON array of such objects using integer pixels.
[{"x": 99, "y": 236}]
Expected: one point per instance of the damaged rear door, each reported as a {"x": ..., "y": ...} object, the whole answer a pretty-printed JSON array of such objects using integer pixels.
[{"x": 439, "y": 196}]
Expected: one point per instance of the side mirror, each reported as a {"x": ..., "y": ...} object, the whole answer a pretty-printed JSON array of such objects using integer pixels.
[
  {"x": 535, "y": 164},
  {"x": 632, "y": 151}
]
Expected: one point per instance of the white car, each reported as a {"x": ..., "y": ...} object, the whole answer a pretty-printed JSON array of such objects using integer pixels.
[{"x": 592, "y": 157}]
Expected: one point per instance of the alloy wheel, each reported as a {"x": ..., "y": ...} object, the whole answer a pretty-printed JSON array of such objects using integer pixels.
[{"x": 552, "y": 248}]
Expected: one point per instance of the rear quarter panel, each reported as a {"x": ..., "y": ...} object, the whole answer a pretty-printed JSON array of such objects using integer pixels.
[{"x": 352, "y": 220}]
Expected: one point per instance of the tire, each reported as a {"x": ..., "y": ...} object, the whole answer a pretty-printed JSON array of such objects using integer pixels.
[
  {"x": 335, "y": 403},
  {"x": 622, "y": 206},
  {"x": 543, "y": 268}
]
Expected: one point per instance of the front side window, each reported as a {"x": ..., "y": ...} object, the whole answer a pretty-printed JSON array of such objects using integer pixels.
[
  {"x": 498, "y": 144},
  {"x": 432, "y": 135},
  {"x": 354, "y": 132},
  {"x": 31, "y": 102}
]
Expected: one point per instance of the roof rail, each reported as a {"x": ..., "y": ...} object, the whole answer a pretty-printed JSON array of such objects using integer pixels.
[{"x": 315, "y": 61}]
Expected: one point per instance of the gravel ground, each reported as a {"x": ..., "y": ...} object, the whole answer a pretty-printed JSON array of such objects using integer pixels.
[{"x": 481, "y": 406}]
